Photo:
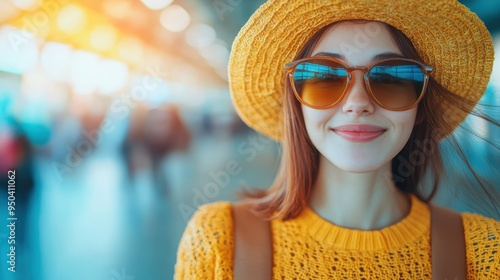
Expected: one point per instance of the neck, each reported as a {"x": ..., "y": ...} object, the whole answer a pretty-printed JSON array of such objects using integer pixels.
[{"x": 365, "y": 201}]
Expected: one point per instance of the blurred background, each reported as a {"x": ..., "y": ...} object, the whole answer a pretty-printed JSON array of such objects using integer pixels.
[{"x": 116, "y": 117}]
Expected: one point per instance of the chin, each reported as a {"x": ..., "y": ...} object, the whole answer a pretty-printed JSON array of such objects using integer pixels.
[{"x": 356, "y": 166}]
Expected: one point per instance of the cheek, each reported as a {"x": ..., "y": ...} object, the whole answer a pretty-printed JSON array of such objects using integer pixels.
[
  {"x": 404, "y": 121},
  {"x": 314, "y": 118}
]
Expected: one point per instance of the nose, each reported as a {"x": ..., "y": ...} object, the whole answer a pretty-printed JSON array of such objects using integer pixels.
[{"x": 357, "y": 100}]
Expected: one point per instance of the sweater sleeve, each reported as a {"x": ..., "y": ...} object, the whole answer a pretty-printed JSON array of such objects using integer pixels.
[
  {"x": 206, "y": 247},
  {"x": 482, "y": 246}
]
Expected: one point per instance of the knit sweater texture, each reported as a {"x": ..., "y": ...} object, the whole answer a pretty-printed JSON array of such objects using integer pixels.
[{"x": 310, "y": 247}]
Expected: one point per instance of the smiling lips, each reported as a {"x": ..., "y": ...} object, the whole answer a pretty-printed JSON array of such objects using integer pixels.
[{"x": 359, "y": 132}]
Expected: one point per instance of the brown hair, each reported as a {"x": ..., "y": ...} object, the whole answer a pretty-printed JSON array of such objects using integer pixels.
[{"x": 299, "y": 166}]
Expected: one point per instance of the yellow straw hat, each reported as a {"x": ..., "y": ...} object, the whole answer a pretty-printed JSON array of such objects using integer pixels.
[{"x": 446, "y": 34}]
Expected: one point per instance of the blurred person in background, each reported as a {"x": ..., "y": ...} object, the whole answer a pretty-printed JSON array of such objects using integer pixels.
[
  {"x": 152, "y": 135},
  {"x": 16, "y": 154}
]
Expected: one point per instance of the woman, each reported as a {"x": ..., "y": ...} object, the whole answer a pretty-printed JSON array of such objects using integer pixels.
[{"x": 359, "y": 93}]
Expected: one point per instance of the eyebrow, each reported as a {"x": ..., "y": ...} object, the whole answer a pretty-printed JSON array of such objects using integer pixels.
[
  {"x": 387, "y": 55},
  {"x": 380, "y": 56},
  {"x": 333, "y": 55}
]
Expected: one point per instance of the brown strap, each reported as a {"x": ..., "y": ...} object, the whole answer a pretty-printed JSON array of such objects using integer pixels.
[
  {"x": 252, "y": 244},
  {"x": 447, "y": 245}
]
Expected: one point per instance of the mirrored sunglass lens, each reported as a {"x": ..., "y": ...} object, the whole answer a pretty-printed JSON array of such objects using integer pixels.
[
  {"x": 398, "y": 85},
  {"x": 320, "y": 83}
]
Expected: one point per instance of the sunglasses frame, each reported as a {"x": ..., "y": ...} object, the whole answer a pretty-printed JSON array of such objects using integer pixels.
[{"x": 290, "y": 67}]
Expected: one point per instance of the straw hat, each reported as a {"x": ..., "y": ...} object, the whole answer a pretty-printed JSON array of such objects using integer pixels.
[{"x": 446, "y": 34}]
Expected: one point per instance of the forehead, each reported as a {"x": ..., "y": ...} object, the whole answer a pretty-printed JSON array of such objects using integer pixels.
[{"x": 358, "y": 42}]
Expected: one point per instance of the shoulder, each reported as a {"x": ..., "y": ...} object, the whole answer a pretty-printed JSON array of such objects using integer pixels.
[
  {"x": 481, "y": 228},
  {"x": 482, "y": 236},
  {"x": 206, "y": 247},
  {"x": 210, "y": 224},
  {"x": 215, "y": 211}
]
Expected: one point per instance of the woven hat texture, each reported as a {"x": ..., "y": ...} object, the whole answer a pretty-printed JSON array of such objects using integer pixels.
[{"x": 446, "y": 34}]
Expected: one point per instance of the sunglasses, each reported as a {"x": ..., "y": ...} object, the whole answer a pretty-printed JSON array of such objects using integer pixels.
[{"x": 395, "y": 84}]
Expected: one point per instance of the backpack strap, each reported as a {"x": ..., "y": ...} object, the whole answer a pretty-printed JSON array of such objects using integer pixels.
[
  {"x": 447, "y": 244},
  {"x": 252, "y": 244}
]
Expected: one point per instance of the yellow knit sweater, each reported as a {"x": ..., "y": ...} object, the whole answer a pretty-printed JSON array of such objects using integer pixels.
[{"x": 309, "y": 247}]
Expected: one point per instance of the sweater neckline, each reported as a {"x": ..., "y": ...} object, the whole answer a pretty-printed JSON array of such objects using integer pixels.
[{"x": 410, "y": 228}]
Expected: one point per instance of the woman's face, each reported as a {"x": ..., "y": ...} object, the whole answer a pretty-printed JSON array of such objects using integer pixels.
[{"x": 357, "y": 135}]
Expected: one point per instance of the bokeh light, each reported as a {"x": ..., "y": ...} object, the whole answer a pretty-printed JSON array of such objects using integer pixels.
[
  {"x": 26, "y": 4},
  {"x": 7, "y": 11},
  {"x": 22, "y": 50},
  {"x": 156, "y": 4},
  {"x": 200, "y": 35},
  {"x": 217, "y": 55},
  {"x": 131, "y": 50},
  {"x": 117, "y": 8},
  {"x": 71, "y": 19},
  {"x": 84, "y": 72},
  {"x": 55, "y": 58},
  {"x": 174, "y": 18},
  {"x": 113, "y": 76},
  {"x": 103, "y": 38}
]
